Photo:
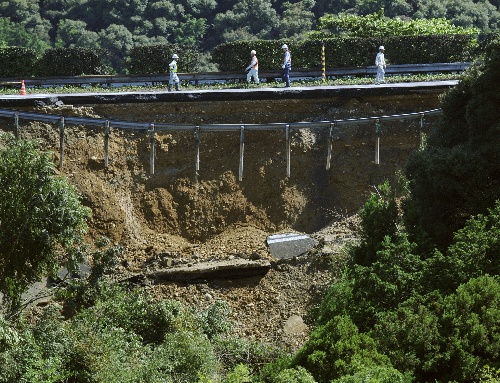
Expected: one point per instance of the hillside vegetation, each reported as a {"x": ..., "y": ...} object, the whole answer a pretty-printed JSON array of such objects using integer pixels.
[
  {"x": 117, "y": 26},
  {"x": 416, "y": 299}
]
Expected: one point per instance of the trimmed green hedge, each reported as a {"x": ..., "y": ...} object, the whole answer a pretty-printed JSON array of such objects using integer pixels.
[
  {"x": 17, "y": 62},
  {"x": 71, "y": 62},
  {"x": 154, "y": 59},
  {"x": 347, "y": 52}
]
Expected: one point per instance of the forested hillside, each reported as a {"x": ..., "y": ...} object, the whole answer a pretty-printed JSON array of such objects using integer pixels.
[{"x": 118, "y": 25}]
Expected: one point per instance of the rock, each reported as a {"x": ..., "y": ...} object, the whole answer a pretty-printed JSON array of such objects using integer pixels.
[{"x": 294, "y": 326}]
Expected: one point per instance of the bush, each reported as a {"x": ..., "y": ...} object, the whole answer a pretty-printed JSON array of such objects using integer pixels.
[
  {"x": 17, "y": 62},
  {"x": 154, "y": 59},
  {"x": 337, "y": 349},
  {"x": 46, "y": 221},
  {"x": 71, "y": 62},
  {"x": 458, "y": 174},
  {"x": 294, "y": 375},
  {"x": 339, "y": 51}
]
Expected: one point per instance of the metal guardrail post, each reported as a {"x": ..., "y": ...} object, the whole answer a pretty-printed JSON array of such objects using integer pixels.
[
  {"x": 242, "y": 150},
  {"x": 323, "y": 62},
  {"x": 288, "y": 146},
  {"x": 197, "y": 139},
  {"x": 106, "y": 143},
  {"x": 152, "y": 149},
  {"x": 377, "y": 142},
  {"x": 61, "y": 142},
  {"x": 422, "y": 134},
  {"x": 330, "y": 146},
  {"x": 16, "y": 125}
]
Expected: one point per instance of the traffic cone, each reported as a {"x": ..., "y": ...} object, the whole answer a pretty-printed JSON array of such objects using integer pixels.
[{"x": 23, "y": 89}]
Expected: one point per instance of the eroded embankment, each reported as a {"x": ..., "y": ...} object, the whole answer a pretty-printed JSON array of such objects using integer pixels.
[
  {"x": 177, "y": 218},
  {"x": 147, "y": 211}
]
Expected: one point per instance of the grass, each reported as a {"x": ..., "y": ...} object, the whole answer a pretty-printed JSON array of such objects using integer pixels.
[{"x": 232, "y": 85}]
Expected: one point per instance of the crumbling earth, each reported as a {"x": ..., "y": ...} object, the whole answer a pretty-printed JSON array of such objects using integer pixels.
[{"x": 178, "y": 216}]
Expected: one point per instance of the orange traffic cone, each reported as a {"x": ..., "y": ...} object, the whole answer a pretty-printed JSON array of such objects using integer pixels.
[{"x": 23, "y": 89}]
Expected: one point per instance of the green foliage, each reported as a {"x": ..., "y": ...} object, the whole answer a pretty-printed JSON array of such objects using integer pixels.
[
  {"x": 15, "y": 35},
  {"x": 17, "y": 62},
  {"x": 376, "y": 375},
  {"x": 240, "y": 374},
  {"x": 71, "y": 62},
  {"x": 379, "y": 216},
  {"x": 233, "y": 351},
  {"x": 133, "y": 311},
  {"x": 42, "y": 220},
  {"x": 339, "y": 51},
  {"x": 471, "y": 325},
  {"x": 337, "y": 349},
  {"x": 489, "y": 375},
  {"x": 37, "y": 353},
  {"x": 392, "y": 278},
  {"x": 377, "y": 25},
  {"x": 235, "y": 56},
  {"x": 411, "y": 337},
  {"x": 294, "y": 375},
  {"x": 154, "y": 59},
  {"x": 476, "y": 247},
  {"x": 444, "y": 338},
  {"x": 458, "y": 174}
]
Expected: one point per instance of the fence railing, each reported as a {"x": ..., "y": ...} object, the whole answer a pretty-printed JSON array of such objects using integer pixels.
[
  {"x": 110, "y": 80},
  {"x": 152, "y": 128}
]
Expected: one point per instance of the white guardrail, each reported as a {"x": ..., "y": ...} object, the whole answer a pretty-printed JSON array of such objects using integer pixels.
[
  {"x": 152, "y": 128},
  {"x": 207, "y": 77}
]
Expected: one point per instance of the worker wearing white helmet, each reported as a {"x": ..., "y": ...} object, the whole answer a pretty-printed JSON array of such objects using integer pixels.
[
  {"x": 253, "y": 68},
  {"x": 173, "y": 79},
  {"x": 380, "y": 64},
  {"x": 287, "y": 64}
]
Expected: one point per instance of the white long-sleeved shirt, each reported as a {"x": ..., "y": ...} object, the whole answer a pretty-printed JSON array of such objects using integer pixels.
[
  {"x": 287, "y": 59},
  {"x": 173, "y": 66},
  {"x": 380, "y": 60}
]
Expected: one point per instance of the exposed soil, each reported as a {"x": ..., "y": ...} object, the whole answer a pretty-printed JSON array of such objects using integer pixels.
[{"x": 177, "y": 216}]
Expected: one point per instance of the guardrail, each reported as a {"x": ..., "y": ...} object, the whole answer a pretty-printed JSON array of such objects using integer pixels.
[
  {"x": 152, "y": 128},
  {"x": 208, "y": 77}
]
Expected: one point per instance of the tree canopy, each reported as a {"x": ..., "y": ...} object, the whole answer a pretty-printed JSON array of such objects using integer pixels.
[{"x": 42, "y": 221}]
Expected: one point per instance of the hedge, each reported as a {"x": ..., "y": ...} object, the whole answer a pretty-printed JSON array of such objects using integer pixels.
[
  {"x": 346, "y": 52},
  {"x": 17, "y": 62},
  {"x": 154, "y": 59},
  {"x": 71, "y": 62}
]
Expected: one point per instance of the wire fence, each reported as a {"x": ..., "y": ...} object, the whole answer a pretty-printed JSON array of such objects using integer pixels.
[{"x": 153, "y": 128}]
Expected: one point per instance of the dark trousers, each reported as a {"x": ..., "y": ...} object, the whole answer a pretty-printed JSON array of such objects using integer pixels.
[{"x": 286, "y": 75}]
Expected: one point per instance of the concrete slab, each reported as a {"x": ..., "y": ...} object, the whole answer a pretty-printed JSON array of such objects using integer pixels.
[{"x": 289, "y": 245}]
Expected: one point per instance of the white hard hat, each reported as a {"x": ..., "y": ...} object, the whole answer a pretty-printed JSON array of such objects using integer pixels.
[
  {"x": 252, "y": 52},
  {"x": 174, "y": 56},
  {"x": 284, "y": 46},
  {"x": 381, "y": 48}
]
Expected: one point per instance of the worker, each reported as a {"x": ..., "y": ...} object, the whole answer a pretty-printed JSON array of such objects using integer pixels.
[
  {"x": 287, "y": 65},
  {"x": 380, "y": 64},
  {"x": 173, "y": 79},
  {"x": 253, "y": 68}
]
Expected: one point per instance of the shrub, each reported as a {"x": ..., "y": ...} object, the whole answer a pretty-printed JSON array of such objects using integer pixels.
[
  {"x": 458, "y": 174},
  {"x": 154, "y": 59},
  {"x": 46, "y": 221},
  {"x": 71, "y": 62},
  {"x": 17, "y": 62},
  {"x": 337, "y": 349}
]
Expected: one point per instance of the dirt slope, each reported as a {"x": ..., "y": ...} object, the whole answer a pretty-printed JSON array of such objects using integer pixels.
[{"x": 177, "y": 216}]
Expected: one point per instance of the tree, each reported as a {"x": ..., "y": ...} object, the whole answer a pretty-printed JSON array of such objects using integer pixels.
[
  {"x": 337, "y": 349},
  {"x": 458, "y": 174},
  {"x": 257, "y": 17},
  {"x": 297, "y": 19},
  {"x": 42, "y": 221},
  {"x": 71, "y": 34}
]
